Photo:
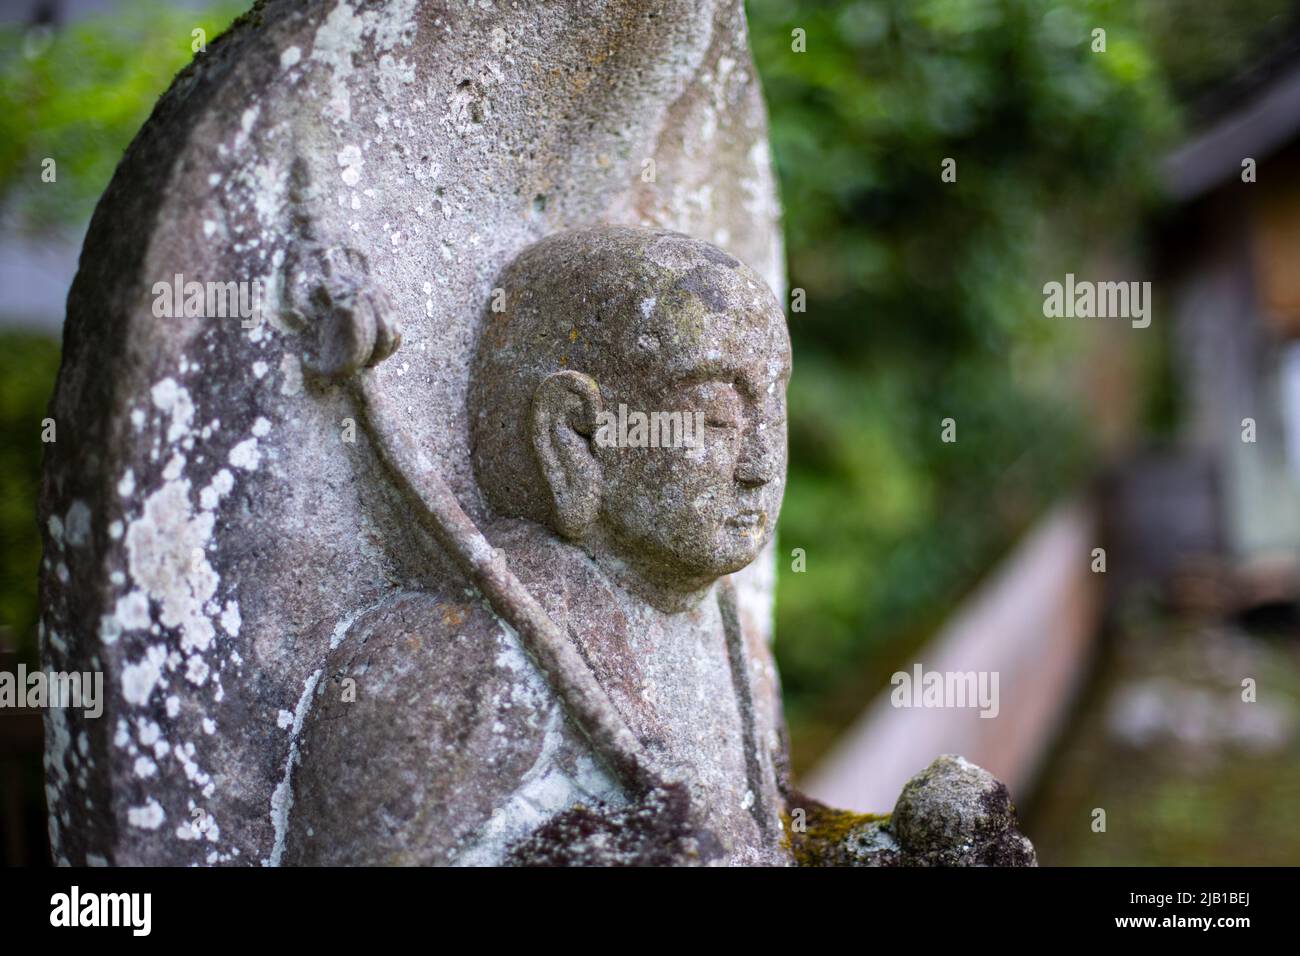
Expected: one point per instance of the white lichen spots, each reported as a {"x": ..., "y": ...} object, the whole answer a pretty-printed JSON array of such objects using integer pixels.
[
  {"x": 166, "y": 550},
  {"x": 148, "y": 817},
  {"x": 110, "y": 628},
  {"x": 335, "y": 42},
  {"x": 175, "y": 467},
  {"x": 245, "y": 455},
  {"x": 394, "y": 74},
  {"x": 247, "y": 119},
  {"x": 223, "y": 482},
  {"x": 122, "y": 736},
  {"x": 230, "y": 619},
  {"x": 544, "y": 791},
  {"x": 282, "y": 796},
  {"x": 196, "y": 671},
  {"x": 144, "y": 767},
  {"x": 205, "y": 828},
  {"x": 290, "y": 57},
  {"x": 140, "y": 678},
  {"x": 58, "y": 742},
  {"x": 55, "y": 524},
  {"x": 259, "y": 369},
  {"x": 209, "y": 228},
  {"x": 115, "y": 532},
  {"x": 77, "y": 524},
  {"x": 351, "y": 161},
  {"x": 261, "y": 427},
  {"x": 341, "y": 36},
  {"x": 283, "y": 719},
  {"x": 173, "y": 705},
  {"x": 137, "y": 419},
  {"x": 55, "y": 640},
  {"x": 173, "y": 399},
  {"x": 341, "y": 629},
  {"x": 270, "y": 184},
  {"x": 184, "y": 754},
  {"x": 291, "y": 369},
  {"x": 209, "y": 725}
]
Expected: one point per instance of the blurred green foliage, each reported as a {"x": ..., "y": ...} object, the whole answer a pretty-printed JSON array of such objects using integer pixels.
[
  {"x": 27, "y": 368},
  {"x": 78, "y": 95},
  {"x": 1201, "y": 45},
  {"x": 924, "y": 297}
]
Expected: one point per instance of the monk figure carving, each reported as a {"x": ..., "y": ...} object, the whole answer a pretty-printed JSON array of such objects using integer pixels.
[{"x": 595, "y": 694}]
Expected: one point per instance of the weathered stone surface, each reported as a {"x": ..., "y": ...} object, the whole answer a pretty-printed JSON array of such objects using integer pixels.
[
  {"x": 953, "y": 813},
  {"x": 461, "y": 751},
  {"x": 407, "y": 149},
  {"x": 256, "y": 529}
]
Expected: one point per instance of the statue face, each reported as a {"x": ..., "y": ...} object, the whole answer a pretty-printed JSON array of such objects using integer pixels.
[
  {"x": 708, "y": 509},
  {"x": 609, "y": 325}
]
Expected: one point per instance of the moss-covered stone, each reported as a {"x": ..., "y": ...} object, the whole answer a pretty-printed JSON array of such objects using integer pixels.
[
  {"x": 822, "y": 836},
  {"x": 951, "y": 814}
]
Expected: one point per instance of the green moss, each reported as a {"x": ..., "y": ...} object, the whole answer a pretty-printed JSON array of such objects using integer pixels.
[{"x": 828, "y": 837}]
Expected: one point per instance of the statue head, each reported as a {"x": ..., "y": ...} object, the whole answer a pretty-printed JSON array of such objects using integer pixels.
[{"x": 628, "y": 392}]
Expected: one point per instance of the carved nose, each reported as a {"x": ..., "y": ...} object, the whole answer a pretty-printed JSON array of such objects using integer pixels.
[{"x": 759, "y": 457}]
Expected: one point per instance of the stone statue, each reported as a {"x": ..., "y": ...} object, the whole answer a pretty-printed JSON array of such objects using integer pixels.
[
  {"x": 625, "y": 546},
  {"x": 494, "y": 586},
  {"x": 463, "y": 749}
]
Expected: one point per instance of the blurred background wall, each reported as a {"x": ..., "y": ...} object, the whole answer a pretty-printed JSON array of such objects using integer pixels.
[{"x": 919, "y": 300}]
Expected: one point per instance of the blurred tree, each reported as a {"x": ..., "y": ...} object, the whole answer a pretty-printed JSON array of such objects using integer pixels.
[
  {"x": 924, "y": 296},
  {"x": 1204, "y": 47},
  {"x": 78, "y": 94}
]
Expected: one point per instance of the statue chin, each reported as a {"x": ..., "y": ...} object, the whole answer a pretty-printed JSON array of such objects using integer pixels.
[{"x": 727, "y": 555}]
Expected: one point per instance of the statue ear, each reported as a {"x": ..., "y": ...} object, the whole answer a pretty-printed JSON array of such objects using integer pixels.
[{"x": 562, "y": 426}]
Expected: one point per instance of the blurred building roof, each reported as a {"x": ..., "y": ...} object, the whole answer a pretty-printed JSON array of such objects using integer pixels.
[{"x": 1254, "y": 115}]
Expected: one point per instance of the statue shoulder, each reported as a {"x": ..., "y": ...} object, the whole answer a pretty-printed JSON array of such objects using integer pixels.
[{"x": 425, "y": 718}]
